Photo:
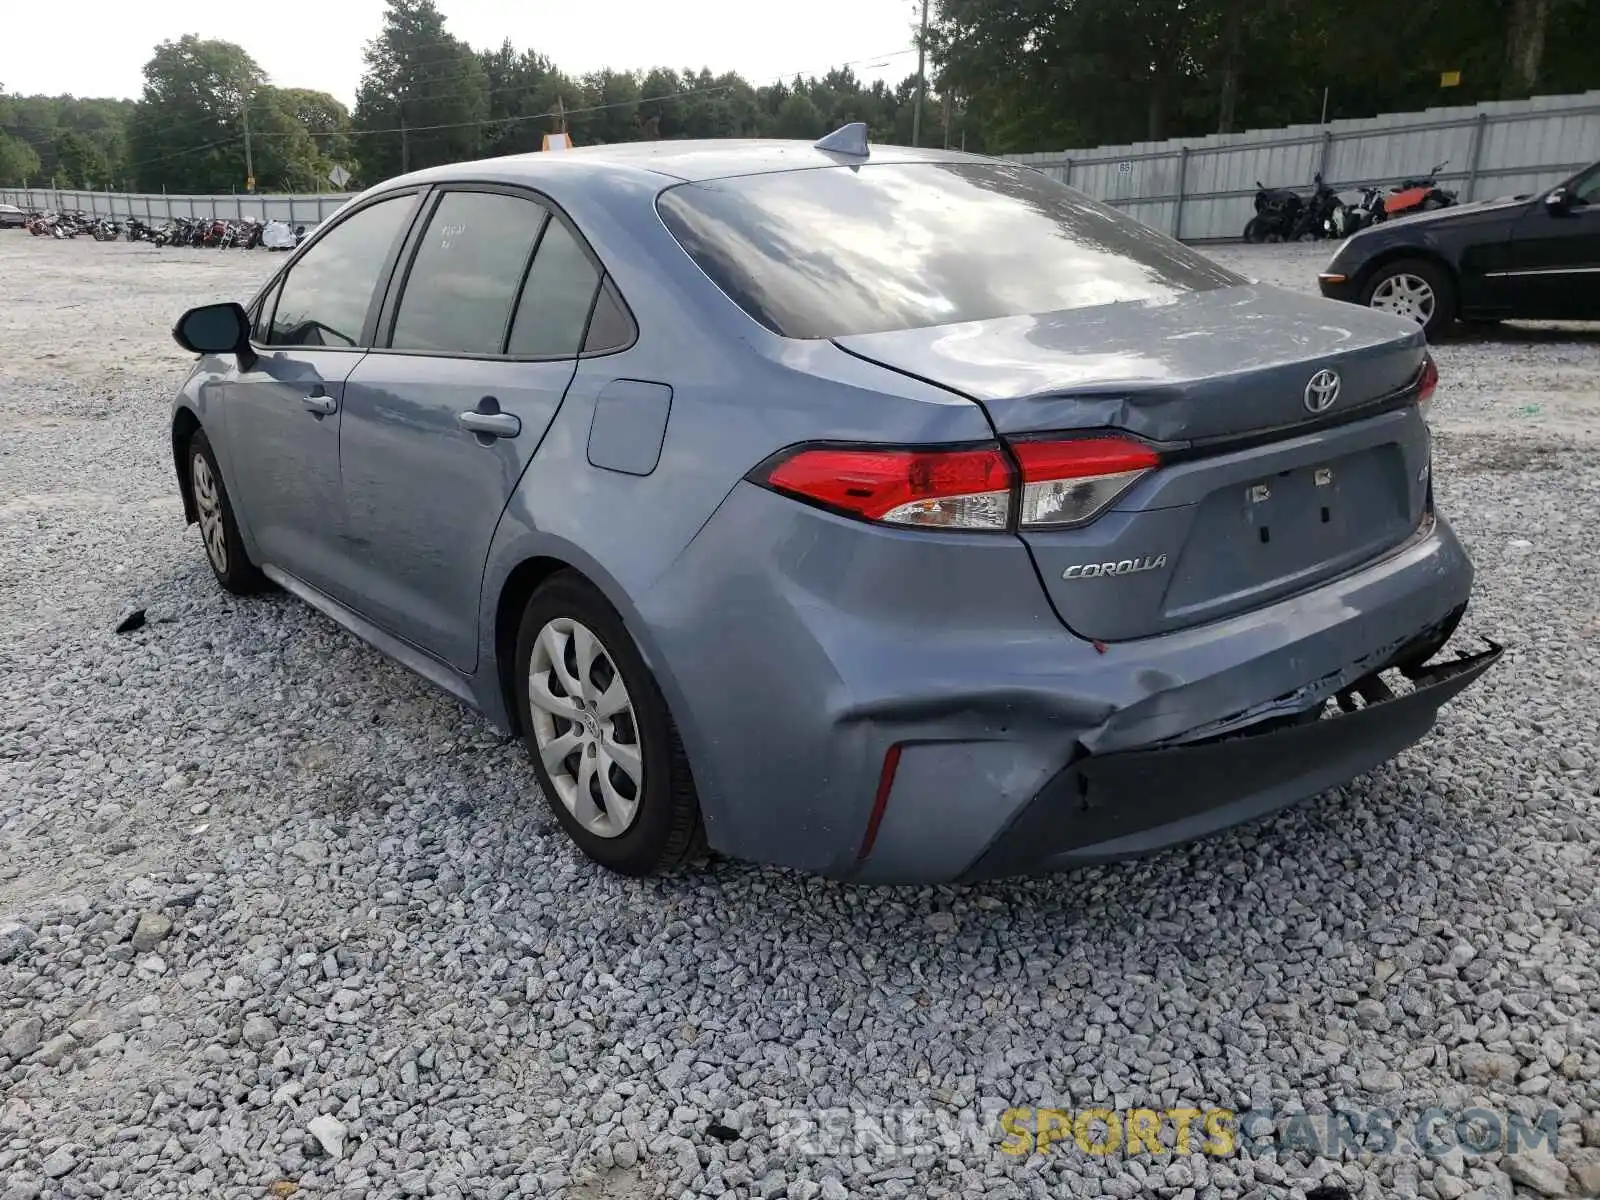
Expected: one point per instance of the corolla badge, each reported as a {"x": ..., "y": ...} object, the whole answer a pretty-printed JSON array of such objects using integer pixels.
[
  {"x": 1322, "y": 391},
  {"x": 1126, "y": 566}
]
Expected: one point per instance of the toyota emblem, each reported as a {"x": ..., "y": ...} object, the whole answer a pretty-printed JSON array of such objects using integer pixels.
[{"x": 1322, "y": 391}]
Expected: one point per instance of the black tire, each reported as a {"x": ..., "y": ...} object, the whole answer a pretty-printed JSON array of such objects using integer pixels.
[
  {"x": 666, "y": 831},
  {"x": 1255, "y": 231},
  {"x": 229, "y": 561},
  {"x": 1435, "y": 276}
]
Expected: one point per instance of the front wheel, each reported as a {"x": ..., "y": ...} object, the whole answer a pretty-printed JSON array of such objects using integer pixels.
[
  {"x": 224, "y": 547},
  {"x": 1255, "y": 231},
  {"x": 1417, "y": 290},
  {"x": 603, "y": 743}
]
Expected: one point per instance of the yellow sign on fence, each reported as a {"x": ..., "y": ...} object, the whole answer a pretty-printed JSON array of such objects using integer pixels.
[{"x": 1450, "y": 79}]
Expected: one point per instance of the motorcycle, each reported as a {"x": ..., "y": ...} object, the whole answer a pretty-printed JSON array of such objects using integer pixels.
[
  {"x": 1418, "y": 195},
  {"x": 1348, "y": 219},
  {"x": 1284, "y": 215},
  {"x": 276, "y": 235}
]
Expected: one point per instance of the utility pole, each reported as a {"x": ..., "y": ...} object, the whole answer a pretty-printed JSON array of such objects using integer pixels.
[
  {"x": 249, "y": 161},
  {"x": 922, "y": 79},
  {"x": 947, "y": 107},
  {"x": 405, "y": 146}
]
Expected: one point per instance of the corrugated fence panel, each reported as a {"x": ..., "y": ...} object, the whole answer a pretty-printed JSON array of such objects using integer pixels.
[
  {"x": 297, "y": 210},
  {"x": 1199, "y": 188},
  {"x": 1209, "y": 183}
]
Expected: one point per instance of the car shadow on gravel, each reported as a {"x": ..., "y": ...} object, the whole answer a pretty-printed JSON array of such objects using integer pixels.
[
  {"x": 1517, "y": 333},
  {"x": 351, "y": 778},
  {"x": 1318, "y": 853}
]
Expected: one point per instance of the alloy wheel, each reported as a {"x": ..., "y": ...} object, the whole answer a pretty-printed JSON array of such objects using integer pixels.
[
  {"x": 208, "y": 502},
  {"x": 1405, "y": 295},
  {"x": 584, "y": 727}
]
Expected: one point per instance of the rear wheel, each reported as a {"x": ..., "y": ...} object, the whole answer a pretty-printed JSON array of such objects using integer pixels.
[
  {"x": 1414, "y": 289},
  {"x": 603, "y": 743}
]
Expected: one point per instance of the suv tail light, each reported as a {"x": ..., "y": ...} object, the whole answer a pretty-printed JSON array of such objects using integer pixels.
[{"x": 1046, "y": 484}]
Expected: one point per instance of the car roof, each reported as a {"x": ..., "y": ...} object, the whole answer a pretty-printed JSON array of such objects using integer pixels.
[{"x": 675, "y": 160}]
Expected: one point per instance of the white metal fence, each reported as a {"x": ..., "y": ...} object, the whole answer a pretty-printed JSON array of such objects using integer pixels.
[
  {"x": 305, "y": 210},
  {"x": 1199, "y": 189}
]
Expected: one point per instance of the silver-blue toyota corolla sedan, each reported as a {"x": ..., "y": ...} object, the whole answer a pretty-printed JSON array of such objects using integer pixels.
[{"x": 891, "y": 514}]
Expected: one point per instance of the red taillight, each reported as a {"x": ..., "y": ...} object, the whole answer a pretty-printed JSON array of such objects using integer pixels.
[
  {"x": 966, "y": 488},
  {"x": 1068, "y": 483},
  {"x": 1429, "y": 381},
  {"x": 1065, "y": 482}
]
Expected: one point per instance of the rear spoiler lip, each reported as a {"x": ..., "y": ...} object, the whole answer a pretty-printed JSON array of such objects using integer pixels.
[
  {"x": 1176, "y": 449},
  {"x": 1400, "y": 398}
]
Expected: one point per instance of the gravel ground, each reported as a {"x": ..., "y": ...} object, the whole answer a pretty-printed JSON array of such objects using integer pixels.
[{"x": 274, "y": 915}]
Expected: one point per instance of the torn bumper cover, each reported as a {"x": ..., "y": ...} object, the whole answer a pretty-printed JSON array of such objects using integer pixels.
[{"x": 1110, "y": 806}]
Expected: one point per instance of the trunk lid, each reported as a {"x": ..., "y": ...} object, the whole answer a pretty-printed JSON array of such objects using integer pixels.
[{"x": 1262, "y": 497}]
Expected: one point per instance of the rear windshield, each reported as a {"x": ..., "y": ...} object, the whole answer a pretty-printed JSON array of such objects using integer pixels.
[{"x": 834, "y": 251}]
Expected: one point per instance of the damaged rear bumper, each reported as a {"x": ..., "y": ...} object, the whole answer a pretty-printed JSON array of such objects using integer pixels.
[{"x": 1112, "y": 806}]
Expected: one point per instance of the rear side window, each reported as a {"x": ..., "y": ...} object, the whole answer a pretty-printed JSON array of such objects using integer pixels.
[
  {"x": 834, "y": 251},
  {"x": 556, "y": 300},
  {"x": 325, "y": 298},
  {"x": 463, "y": 282},
  {"x": 610, "y": 328}
]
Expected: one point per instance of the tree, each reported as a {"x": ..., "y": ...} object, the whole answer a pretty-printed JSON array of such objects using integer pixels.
[
  {"x": 424, "y": 97},
  {"x": 81, "y": 162},
  {"x": 1019, "y": 75},
  {"x": 323, "y": 117},
  {"x": 523, "y": 89},
  {"x": 19, "y": 165},
  {"x": 187, "y": 132}
]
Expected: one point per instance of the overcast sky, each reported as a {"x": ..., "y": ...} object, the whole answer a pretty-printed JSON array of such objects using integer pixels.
[{"x": 101, "y": 48}]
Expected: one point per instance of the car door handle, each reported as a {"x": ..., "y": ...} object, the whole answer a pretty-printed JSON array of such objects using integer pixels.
[
  {"x": 490, "y": 424},
  {"x": 320, "y": 402}
]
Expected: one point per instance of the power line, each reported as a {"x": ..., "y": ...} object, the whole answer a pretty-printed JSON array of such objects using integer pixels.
[
  {"x": 782, "y": 76},
  {"x": 504, "y": 122}
]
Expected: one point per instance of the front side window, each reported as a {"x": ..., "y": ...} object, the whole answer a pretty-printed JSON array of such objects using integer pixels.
[
  {"x": 261, "y": 320},
  {"x": 464, "y": 279},
  {"x": 554, "y": 310},
  {"x": 833, "y": 251},
  {"x": 1587, "y": 190},
  {"x": 325, "y": 298}
]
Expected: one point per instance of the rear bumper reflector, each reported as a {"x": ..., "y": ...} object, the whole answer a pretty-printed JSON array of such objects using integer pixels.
[{"x": 880, "y": 802}]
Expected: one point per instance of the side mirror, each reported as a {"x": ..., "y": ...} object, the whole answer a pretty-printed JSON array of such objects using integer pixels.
[
  {"x": 1558, "y": 202},
  {"x": 216, "y": 329}
]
